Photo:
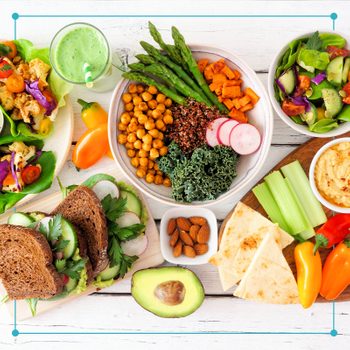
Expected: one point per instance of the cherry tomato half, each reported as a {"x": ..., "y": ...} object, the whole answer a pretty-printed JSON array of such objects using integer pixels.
[
  {"x": 5, "y": 69},
  {"x": 292, "y": 109},
  {"x": 30, "y": 174}
]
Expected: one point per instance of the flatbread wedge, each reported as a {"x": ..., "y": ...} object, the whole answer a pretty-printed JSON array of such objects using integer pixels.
[
  {"x": 244, "y": 222},
  {"x": 269, "y": 278}
]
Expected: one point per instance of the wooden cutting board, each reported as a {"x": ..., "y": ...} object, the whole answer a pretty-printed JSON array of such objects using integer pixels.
[
  {"x": 304, "y": 154},
  {"x": 150, "y": 258}
]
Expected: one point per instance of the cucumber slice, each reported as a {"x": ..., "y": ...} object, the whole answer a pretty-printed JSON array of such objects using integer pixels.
[
  {"x": 311, "y": 116},
  {"x": 288, "y": 81},
  {"x": 109, "y": 273},
  {"x": 104, "y": 188},
  {"x": 71, "y": 284},
  {"x": 332, "y": 101},
  {"x": 346, "y": 70},
  {"x": 132, "y": 202},
  {"x": 129, "y": 218},
  {"x": 20, "y": 219},
  {"x": 69, "y": 234},
  {"x": 335, "y": 70}
]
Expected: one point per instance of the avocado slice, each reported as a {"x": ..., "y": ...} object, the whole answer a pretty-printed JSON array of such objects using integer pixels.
[
  {"x": 332, "y": 101},
  {"x": 167, "y": 291},
  {"x": 346, "y": 69}
]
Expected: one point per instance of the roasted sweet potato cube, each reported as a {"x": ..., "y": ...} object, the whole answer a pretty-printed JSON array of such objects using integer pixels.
[
  {"x": 219, "y": 78},
  {"x": 237, "y": 74},
  {"x": 231, "y": 92},
  {"x": 214, "y": 86},
  {"x": 228, "y": 72},
  {"x": 219, "y": 65},
  {"x": 238, "y": 115},
  {"x": 228, "y": 103},
  {"x": 253, "y": 96},
  {"x": 244, "y": 100},
  {"x": 236, "y": 104},
  {"x": 247, "y": 107},
  {"x": 208, "y": 72},
  {"x": 202, "y": 63},
  {"x": 233, "y": 83}
]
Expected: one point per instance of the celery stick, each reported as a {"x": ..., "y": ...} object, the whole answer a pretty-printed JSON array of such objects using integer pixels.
[
  {"x": 309, "y": 231},
  {"x": 300, "y": 184},
  {"x": 266, "y": 200},
  {"x": 286, "y": 202}
]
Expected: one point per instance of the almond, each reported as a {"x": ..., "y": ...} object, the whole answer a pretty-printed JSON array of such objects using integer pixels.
[
  {"x": 186, "y": 238},
  {"x": 173, "y": 238},
  {"x": 177, "y": 250},
  {"x": 189, "y": 251},
  {"x": 198, "y": 220},
  {"x": 183, "y": 224},
  {"x": 171, "y": 226},
  {"x": 203, "y": 234},
  {"x": 193, "y": 232},
  {"x": 201, "y": 249}
]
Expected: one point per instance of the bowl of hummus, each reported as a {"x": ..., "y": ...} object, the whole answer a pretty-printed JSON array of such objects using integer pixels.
[{"x": 329, "y": 175}]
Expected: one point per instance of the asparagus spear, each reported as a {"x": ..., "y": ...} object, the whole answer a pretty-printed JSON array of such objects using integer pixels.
[
  {"x": 146, "y": 59},
  {"x": 141, "y": 78},
  {"x": 166, "y": 74},
  {"x": 193, "y": 67},
  {"x": 155, "y": 53},
  {"x": 171, "y": 50}
]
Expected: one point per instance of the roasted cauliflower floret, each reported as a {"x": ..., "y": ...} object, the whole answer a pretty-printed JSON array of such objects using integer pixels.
[
  {"x": 39, "y": 70},
  {"x": 27, "y": 107},
  {"x": 23, "y": 70},
  {"x": 7, "y": 98},
  {"x": 24, "y": 151}
]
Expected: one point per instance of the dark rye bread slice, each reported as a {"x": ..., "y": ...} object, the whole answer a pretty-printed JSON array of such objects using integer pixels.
[
  {"x": 26, "y": 268},
  {"x": 83, "y": 252},
  {"x": 83, "y": 209}
]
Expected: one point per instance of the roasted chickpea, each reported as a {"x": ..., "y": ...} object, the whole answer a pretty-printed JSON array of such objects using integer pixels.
[
  {"x": 141, "y": 172},
  {"x": 157, "y": 144},
  {"x": 129, "y": 106},
  {"x": 161, "y": 107},
  {"x": 135, "y": 162},
  {"x": 161, "y": 98},
  {"x": 149, "y": 113},
  {"x": 132, "y": 127},
  {"x": 137, "y": 100},
  {"x": 152, "y": 171},
  {"x": 146, "y": 96},
  {"x": 138, "y": 114},
  {"x": 150, "y": 178},
  {"x": 159, "y": 173},
  {"x": 152, "y": 104},
  {"x": 140, "y": 133},
  {"x": 167, "y": 182},
  {"x": 152, "y": 89},
  {"x": 160, "y": 124},
  {"x": 146, "y": 146},
  {"x": 158, "y": 179},
  {"x": 134, "y": 94},
  {"x": 131, "y": 114},
  {"x": 142, "y": 153},
  {"x": 131, "y": 153},
  {"x": 163, "y": 128},
  {"x": 122, "y": 127},
  {"x": 156, "y": 167},
  {"x": 138, "y": 144},
  {"x": 142, "y": 119},
  {"x": 161, "y": 136},
  {"x": 129, "y": 145},
  {"x": 150, "y": 164},
  {"x": 168, "y": 112},
  {"x": 156, "y": 113},
  {"x": 144, "y": 162},
  {"x": 168, "y": 102},
  {"x": 147, "y": 139},
  {"x": 126, "y": 98},
  {"x": 132, "y": 88},
  {"x": 142, "y": 106},
  {"x": 122, "y": 139},
  {"x": 154, "y": 133},
  {"x": 149, "y": 125},
  {"x": 131, "y": 138},
  {"x": 153, "y": 153},
  {"x": 140, "y": 89},
  {"x": 163, "y": 150},
  {"x": 133, "y": 120},
  {"x": 125, "y": 118},
  {"x": 168, "y": 119}
]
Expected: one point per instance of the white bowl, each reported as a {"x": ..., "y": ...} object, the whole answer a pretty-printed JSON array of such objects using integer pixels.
[
  {"x": 187, "y": 212},
  {"x": 248, "y": 166},
  {"x": 314, "y": 188},
  {"x": 303, "y": 129}
]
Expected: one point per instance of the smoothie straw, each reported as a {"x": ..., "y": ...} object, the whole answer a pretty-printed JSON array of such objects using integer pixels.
[{"x": 88, "y": 79}]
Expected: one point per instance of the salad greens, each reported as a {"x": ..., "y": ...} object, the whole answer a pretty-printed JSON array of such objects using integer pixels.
[
  {"x": 206, "y": 174},
  {"x": 311, "y": 81}
]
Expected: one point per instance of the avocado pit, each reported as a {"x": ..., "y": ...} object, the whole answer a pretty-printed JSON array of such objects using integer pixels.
[{"x": 170, "y": 292}]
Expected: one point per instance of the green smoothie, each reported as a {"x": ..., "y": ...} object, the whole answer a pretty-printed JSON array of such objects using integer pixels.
[{"x": 84, "y": 44}]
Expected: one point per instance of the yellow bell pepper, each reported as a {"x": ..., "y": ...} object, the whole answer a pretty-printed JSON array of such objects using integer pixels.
[
  {"x": 309, "y": 273},
  {"x": 93, "y": 114}
]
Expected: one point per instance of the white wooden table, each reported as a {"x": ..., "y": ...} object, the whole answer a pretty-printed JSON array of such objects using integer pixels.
[{"x": 255, "y": 40}]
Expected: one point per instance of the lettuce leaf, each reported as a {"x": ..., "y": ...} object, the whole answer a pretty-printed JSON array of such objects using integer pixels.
[
  {"x": 312, "y": 59},
  {"x": 332, "y": 39}
]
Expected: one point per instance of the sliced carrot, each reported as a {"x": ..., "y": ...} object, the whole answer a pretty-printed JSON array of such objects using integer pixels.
[
  {"x": 9, "y": 180},
  {"x": 231, "y": 92},
  {"x": 228, "y": 103},
  {"x": 247, "y": 107},
  {"x": 202, "y": 63},
  {"x": 253, "y": 96},
  {"x": 208, "y": 72},
  {"x": 238, "y": 115},
  {"x": 219, "y": 65}
]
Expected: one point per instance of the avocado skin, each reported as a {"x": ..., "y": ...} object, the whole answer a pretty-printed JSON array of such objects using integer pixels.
[{"x": 171, "y": 312}]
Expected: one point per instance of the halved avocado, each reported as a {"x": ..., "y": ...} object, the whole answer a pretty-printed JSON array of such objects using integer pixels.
[{"x": 167, "y": 291}]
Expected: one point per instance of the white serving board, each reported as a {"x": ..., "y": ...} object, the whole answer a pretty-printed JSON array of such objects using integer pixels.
[{"x": 151, "y": 257}]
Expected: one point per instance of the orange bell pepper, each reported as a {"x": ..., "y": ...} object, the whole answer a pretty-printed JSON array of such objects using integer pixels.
[
  {"x": 91, "y": 147},
  {"x": 336, "y": 271},
  {"x": 309, "y": 273}
]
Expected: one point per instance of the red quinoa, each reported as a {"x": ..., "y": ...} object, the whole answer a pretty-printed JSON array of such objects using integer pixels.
[{"x": 190, "y": 124}]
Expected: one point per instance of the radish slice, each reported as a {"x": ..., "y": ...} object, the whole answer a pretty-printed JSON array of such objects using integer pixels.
[
  {"x": 245, "y": 139},
  {"x": 136, "y": 246},
  {"x": 104, "y": 188},
  {"x": 225, "y": 131},
  {"x": 128, "y": 219},
  {"x": 212, "y": 131}
]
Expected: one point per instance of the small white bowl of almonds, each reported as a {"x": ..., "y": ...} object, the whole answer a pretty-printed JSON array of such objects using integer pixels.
[{"x": 188, "y": 235}]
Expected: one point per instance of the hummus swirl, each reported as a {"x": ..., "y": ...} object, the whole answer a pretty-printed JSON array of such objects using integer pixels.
[{"x": 332, "y": 174}]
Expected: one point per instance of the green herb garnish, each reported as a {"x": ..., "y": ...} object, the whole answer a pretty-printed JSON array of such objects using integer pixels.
[{"x": 314, "y": 42}]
